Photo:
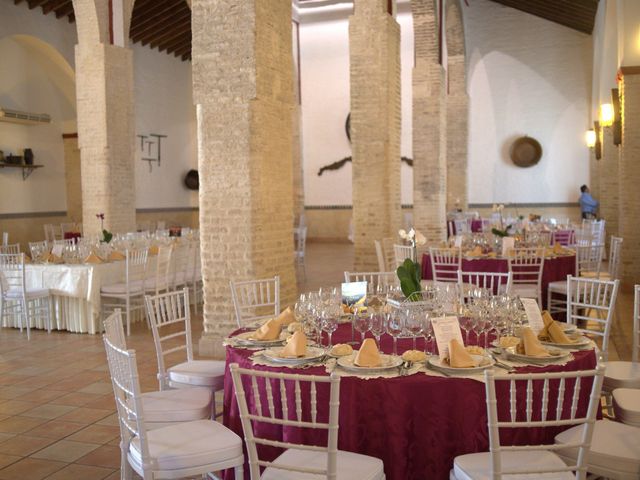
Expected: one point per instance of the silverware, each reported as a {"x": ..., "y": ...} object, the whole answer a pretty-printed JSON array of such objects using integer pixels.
[
  {"x": 499, "y": 364},
  {"x": 430, "y": 367}
]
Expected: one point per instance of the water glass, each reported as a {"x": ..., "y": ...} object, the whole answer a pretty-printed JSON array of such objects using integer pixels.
[
  {"x": 362, "y": 323},
  {"x": 413, "y": 324},
  {"x": 395, "y": 326}
]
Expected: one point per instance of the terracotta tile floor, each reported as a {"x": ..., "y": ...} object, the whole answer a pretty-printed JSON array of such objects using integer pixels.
[{"x": 57, "y": 415}]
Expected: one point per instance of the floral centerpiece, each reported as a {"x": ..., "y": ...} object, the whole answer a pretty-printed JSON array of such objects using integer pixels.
[
  {"x": 409, "y": 272},
  {"x": 106, "y": 235},
  {"x": 499, "y": 230}
]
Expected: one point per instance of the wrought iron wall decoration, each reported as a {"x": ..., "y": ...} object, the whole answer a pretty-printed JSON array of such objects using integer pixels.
[{"x": 152, "y": 155}]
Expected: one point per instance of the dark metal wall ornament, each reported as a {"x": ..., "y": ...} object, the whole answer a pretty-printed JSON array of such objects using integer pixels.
[
  {"x": 598, "y": 147},
  {"x": 525, "y": 152},
  {"x": 150, "y": 158},
  {"x": 616, "y": 128},
  {"x": 192, "y": 180}
]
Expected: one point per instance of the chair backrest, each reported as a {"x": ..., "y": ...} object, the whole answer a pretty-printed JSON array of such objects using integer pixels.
[
  {"x": 255, "y": 299},
  {"x": 37, "y": 249},
  {"x": 374, "y": 280},
  {"x": 539, "y": 400},
  {"x": 5, "y": 238},
  {"x": 179, "y": 263},
  {"x": 114, "y": 329},
  {"x": 563, "y": 237},
  {"x": 301, "y": 241},
  {"x": 401, "y": 253},
  {"x": 526, "y": 265},
  {"x": 635, "y": 352},
  {"x": 68, "y": 242},
  {"x": 594, "y": 228},
  {"x": 462, "y": 225},
  {"x": 588, "y": 257},
  {"x": 191, "y": 269},
  {"x": 275, "y": 390},
  {"x": 170, "y": 319},
  {"x": 382, "y": 264},
  {"x": 126, "y": 390},
  {"x": 163, "y": 269},
  {"x": 496, "y": 282},
  {"x": 389, "y": 255},
  {"x": 12, "y": 272},
  {"x": 445, "y": 263},
  {"x": 592, "y": 302},
  {"x": 135, "y": 266},
  {"x": 10, "y": 249},
  {"x": 538, "y": 237},
  {"x": 615, "y": 247}
]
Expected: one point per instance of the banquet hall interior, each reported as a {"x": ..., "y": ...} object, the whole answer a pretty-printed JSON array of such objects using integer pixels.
[{"x": 308, "y": 239}]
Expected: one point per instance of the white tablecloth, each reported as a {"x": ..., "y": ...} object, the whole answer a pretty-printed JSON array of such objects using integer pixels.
[{"x": 75, "y": 293}]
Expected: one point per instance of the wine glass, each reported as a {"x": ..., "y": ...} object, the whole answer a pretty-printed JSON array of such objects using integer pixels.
[
  {"x": 362, "y": 323},
  {"x": 377, "y": 326},
  {"x": 329, "y": 323},
  {"x": 413, "y": 324},
  {"x": 427, "y": 332},
  {"x": 395, "y": 326}
]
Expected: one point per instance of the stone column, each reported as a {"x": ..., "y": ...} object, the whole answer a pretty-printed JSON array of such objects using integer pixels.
[
  {"x": 457, "y": 117},
  {"x": 298, "y": 171},
  {"x": 242, "y": 87},
  {"x": 106, "y": 135},
  {"x": 629, "y": 227},
  {"x": 429, "y": 127},
  {"x": 609, "y": 184},
  {"x": 374, "y": 44},
  {"x": 72, "y": 176}
]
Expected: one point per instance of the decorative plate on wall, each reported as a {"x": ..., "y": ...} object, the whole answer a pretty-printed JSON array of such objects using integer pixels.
[
  {"x": 525, "y": 152},
  {"x": 192, "y": 180}
]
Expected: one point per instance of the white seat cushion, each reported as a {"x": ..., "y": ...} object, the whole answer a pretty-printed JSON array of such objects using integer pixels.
[
  {"x": 189, "y": 444},
  {"x": 350, "y": 466},
  {"x": 197, "y": 372},
  {"x": 525, "y": 290},
  {"x": 477, "y": 466},
  {"x": 30, "y": 294},
  {"x": 558, "y": 287},
  {"x": 621, "y": 375},
  {"x": 183, "y": 405},
  {"x": 121, "y": 288},
  {"x": 615, "y": 447},
  {"x": 626, "y": 405}
]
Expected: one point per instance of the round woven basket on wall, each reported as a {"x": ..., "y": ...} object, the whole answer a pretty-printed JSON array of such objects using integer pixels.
[{"x": 525, "y": 152}]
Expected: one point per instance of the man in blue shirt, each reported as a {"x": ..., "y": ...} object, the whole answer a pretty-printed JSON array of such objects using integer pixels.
[{"x": 588, "y": 204}]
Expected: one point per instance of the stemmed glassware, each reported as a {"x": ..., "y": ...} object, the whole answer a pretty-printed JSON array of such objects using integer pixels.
[
  {"x": 427, "y": 332},
  {"x": 377, "y": 326},
  {"x": 329, "y": 323},
  {"x": 395, "y": 326},
  {"x": 413, "y": 324},
  {"x": 362, "y": 323}
]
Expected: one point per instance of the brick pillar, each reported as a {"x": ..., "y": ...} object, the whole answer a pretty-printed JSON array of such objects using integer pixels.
[
  {"x": 72, "y": 176},
  {"x": 594, "y": 174},
  {"x": 457, "y": 118},
  {"x": 374, "y": 43},
  {"x": 298, "y": 172},
  {"x": 242, "y": 87},
  {"x": 106, "y": 135},
  {"x": 609, "y": 184},
  {"x": 629, "y": 172}
]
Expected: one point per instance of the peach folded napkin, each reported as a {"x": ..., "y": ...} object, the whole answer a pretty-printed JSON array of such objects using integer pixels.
[
  {"x": 459, "y": 357},
  {"x": 93, "y": 258},
  {"x": 286, "y": 316},
  {"x": 552, "y": 330},
  {"x": 115, "y": 256},
  {"x": 153, "y": 250},
  {"x": 557, "y": 248},
  {"x": 27, "y": 259},
  {"x": 368, "y": 355},
  {"x": 269, "y": 331},
  {"x": 530, "y": 345},
  {"x": 51, "y": 258},
  {"x": 296, "y": 346},
  {"x": 476, "y": 252}
]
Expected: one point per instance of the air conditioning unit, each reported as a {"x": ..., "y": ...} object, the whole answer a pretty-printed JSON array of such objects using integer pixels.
[{"x": 25, "y": 118}]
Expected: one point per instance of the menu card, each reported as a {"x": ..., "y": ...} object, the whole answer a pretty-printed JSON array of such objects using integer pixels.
[
  {"x": 354, "y": 294},
  {"x": 457, "y": 241},
  {"x": 532, "y": 310},
  {"x": 446, "y": 329},
  {"x": 57, "y": 250},
  {"x": 507, "y": 244}
]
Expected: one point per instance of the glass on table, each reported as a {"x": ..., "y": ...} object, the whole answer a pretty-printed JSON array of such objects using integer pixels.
[
  {"x": 427, "y": 332},
  {"x": 377, "y": 326},
  {"x": 413, "y": 323},
  {"x": 395, "y": 326},
  {"x": 362, "y": 322},
  {"x": 329, "y": 323}
]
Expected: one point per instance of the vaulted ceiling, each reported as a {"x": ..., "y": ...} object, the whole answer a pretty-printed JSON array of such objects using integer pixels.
[{"x": 162, "y": 24}]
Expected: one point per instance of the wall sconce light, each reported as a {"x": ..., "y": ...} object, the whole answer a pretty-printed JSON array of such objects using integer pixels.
[
  {"x": 590, "y": 137},
  {"x": 598, "y": 146},
  {"x": 617, "y": 118},
  {"x": 606, "y": 115}
]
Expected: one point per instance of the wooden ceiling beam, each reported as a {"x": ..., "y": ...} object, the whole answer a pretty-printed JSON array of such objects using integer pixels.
[
  {"x": 178, "y": 43},
  {"x": 64, "y": 10},
  {"x": 52, "y": 5},
  {"x": 186, "y": 56},
  {"x": 183, "y": 50},
  {"x": 17, "y": 2},
  {"x": 578, "y": 16},
  {"x": 167, "y": 37},
  {"x": 160, "y": 28},
  {"x": 35, "y": 3},
  {"x": 149, "y": 17}
]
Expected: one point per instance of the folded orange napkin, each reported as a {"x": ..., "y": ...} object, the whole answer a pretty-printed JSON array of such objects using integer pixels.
[
  {"x": 476, "y": 252},
  {"x": 286, "y": 316},
  {"x": 368, "y": 355},
  {"x": 115, "y": 256},
  {"x": 51, "y": 258},
  {"x": 552, "y": 330},
  {"x": 296, "y": 346},
  {"x": 153, "y": 250},
  {"x": 459, "y": 357},
  {"x": 557, "y": 248},
  {"x": 269, "y": 331},
  {"x": 530, "y": 345},
  {"x": 93, "y": 258}
]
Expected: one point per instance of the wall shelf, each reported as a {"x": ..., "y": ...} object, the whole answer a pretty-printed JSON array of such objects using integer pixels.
[{"x": 26, "y": 169}]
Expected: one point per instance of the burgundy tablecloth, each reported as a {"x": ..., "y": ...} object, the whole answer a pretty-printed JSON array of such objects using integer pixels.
[
  {"x": 416, "y": 424},
  {"x": 555, "y": 269},
  {"x": 476, "y": 225}
]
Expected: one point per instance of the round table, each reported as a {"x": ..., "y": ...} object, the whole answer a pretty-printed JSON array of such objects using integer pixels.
[
  {"x": 555, "y": 268},
  {"x": 415, "y": 424}
]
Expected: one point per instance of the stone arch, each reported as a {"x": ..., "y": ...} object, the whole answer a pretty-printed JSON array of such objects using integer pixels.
[
  {"x": 92, "y": 21},
  {"x": 457, "y": 105}
]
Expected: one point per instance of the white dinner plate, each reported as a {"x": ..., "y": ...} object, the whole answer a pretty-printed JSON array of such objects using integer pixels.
[
  {"x": 388, "y": 362},
  {"x": 246, "y": 338},
  {"x": 580, "y": 342},
  {"x": 567, "y": 327},
  {"x": 555, "y": 355},
  {"x": 275, "y": 355},
  {"x": 484, "y": 360}
]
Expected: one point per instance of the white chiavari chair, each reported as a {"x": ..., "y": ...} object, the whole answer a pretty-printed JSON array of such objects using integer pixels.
[
  {"x": 389, "y": 254},
  {"x": 180, "y": 258},
  {"x": 375, "y": 280},
  {"x": 563, "y": 237},
  {"x": 38, "y": 249},
  {"x": 170, "y": 318},
  {"x": 10, "y": 249},
  {"x": 298, "y": 460},
  {"x": 401, "y": 253},
  {"x": 526, "y": 266},
  {"x": 590, "y": 306},
  {"x": 165, "y": 407},
  {"x": 193, "y": 274},
  {"x": 613, "y": 267},
  {"x": 19, "y": 301},
  {"x": 445, "y": 263},
  {"x": 160, "y": 281},
  {"x": 541, "y": 238},
  {"x": 300, "y": 237},
  {"x": 182, "y": 450},
  {"x": 382, "y": 264},
  {"x": 5, "y": 238},
  {"x": 255, "y": 300},
  {"x": 496, "y": 282},
  {"x": 128, "y": 294},
  {"x": 532, "y": 402}
]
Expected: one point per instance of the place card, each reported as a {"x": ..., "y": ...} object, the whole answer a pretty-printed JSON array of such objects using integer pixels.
[
  {"x": 457, "y": 241},
  {"x": 507, "y": 244},
  {"x": 354, "y": 294},
  {"x": 446, "y": 329},
  {"x": 57, "y": 250},
  {"x": 534, "y": 316}
]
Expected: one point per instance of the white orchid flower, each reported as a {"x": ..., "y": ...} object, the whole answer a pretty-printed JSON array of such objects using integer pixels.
[
  {"x": 412, "y": 233},
  {"x": 420, "y": 239},
  {"x": 403, "y": 234}
]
